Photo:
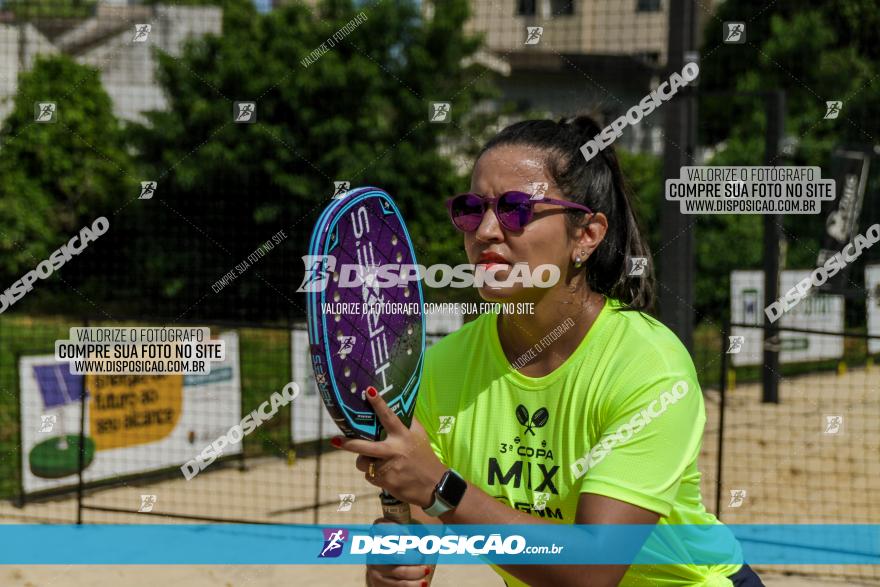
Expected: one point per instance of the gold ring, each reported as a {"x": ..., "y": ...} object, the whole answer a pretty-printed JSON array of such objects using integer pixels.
[{"x": 371, "y": 471}]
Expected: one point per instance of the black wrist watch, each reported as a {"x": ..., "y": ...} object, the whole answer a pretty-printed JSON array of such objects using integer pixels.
[{"x": 447, "y": 494}]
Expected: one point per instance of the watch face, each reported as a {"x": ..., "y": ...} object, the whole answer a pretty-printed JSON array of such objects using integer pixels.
[{"x": 451, "y": 488}]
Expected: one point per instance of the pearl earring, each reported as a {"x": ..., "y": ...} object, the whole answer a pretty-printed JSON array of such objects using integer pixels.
[{"x": 577, "y": 261}]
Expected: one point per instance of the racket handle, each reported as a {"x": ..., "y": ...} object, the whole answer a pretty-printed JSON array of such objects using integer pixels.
[{"x": 395, "y": 510}]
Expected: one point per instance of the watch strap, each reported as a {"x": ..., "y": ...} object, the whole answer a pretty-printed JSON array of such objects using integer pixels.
[
  {"x": 438, "y": 508},
  {"x": 440, "y": 505}
]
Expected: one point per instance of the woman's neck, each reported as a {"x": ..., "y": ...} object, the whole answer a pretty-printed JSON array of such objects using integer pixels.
[{"x": 568, "y": 313}]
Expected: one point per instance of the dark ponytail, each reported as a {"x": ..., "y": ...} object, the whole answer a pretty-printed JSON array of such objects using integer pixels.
[{"x": 598, "y": 184}]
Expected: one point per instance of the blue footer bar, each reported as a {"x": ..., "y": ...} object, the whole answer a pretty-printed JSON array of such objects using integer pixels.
[{"x": 823, "y": 544}]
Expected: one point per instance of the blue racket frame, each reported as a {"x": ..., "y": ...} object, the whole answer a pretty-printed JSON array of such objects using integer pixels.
[{"x": 349, "y": 420}]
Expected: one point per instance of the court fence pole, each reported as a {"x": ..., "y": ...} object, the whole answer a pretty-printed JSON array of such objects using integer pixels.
[
  {"x": 82, "y": 447},
  {"x": 775, "y": 113},
  {"x": 675, "y": 262},
  {"x": 722, "y": 386},
  {"x": 320, "y": 450}
]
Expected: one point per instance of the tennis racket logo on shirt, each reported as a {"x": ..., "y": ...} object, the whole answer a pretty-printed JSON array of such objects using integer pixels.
[{"x": 538, "y": 419}]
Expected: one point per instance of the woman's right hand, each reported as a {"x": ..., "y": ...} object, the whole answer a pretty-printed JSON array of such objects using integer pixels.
[{"x": 398, "y": 575}]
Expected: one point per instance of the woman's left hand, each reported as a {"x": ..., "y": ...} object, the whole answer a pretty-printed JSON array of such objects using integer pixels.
[{"x": 404, "y": 463}]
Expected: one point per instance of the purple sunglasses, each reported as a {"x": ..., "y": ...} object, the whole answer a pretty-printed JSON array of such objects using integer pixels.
[{"x": 513, "y": 209}]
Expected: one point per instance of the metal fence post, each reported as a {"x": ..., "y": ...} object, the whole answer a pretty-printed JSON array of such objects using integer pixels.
[
  {"x": 676, "y": 262},
  {"x": 320, "y": 449},
  {"x": 775, "y": 110},
  {"x": 82, "y": 447},
  {"x": 719, "y": 457}
]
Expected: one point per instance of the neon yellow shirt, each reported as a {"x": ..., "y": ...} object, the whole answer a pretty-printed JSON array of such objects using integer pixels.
[{"x": 622, "y": 417}]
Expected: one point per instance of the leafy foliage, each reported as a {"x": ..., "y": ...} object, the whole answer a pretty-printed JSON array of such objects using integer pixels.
[
  {"x": 57, "y": 177},
  {"x": 27, "y": 9},
  {"x": 359, "y": 113},
  {"x": 815, "y": 51}
]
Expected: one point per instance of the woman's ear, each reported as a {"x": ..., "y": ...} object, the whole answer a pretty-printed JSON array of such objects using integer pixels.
[{"x": 589, "y": 235}]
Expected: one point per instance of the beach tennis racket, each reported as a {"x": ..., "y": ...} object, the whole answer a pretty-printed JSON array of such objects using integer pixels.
[{"x": 354, "y": 342}]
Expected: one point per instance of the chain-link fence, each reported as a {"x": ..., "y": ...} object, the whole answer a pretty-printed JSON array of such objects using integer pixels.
[
  {"x": 810, "y": 457},
  {"x": 141, "y": 436}
]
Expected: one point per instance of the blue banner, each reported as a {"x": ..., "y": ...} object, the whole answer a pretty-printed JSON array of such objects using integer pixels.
[{"x": 417, "y": 544}]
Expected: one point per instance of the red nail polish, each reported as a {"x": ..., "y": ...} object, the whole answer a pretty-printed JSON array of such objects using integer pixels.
[
  {"x": 336, "y": 441},
  {"x": 371, "y": 391},
  {"x": 424, "y": 584},
  {"x": 427, "y": 571}
]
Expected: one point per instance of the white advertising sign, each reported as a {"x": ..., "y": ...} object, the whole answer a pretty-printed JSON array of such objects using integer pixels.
[
  {"x": 133, "y": 423},
  {"x": 815, "y": 312}
]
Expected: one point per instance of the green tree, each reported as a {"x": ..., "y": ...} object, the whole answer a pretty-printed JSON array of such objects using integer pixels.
[
  {"x": 815, "y": 51},
  {"x": 27, "y": 9},
  {"x": 644, "y": 174},
  {"x": 59, "y": 176},
  {"x": 359, "y": 112}
]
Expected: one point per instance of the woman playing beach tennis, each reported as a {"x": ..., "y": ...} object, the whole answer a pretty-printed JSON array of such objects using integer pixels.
[{"x": 587, "y": 411}]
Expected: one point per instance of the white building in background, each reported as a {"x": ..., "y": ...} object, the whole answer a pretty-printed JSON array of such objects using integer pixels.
[
  {"x": 105, "y": 41},
  {"x": 19, "y": 45}
]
